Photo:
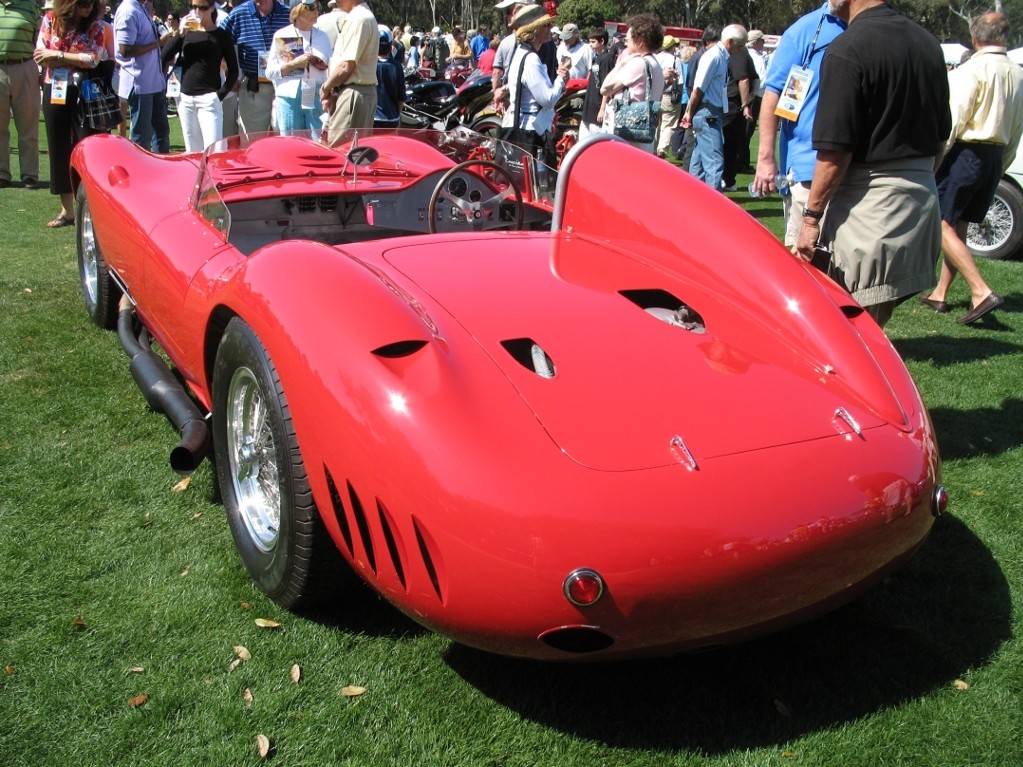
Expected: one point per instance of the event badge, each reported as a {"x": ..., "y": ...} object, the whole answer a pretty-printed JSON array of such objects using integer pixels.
[
  {"x": 793, "y": 95},
  {"x": 309, "y": 89},
  {"x": 174, "y": 83},
  {"x": 261, "y": 67},
  {"x": 58, "y": 85}
]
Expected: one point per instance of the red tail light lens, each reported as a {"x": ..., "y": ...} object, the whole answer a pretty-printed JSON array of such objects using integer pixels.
[{"x": 583, "y": 587}]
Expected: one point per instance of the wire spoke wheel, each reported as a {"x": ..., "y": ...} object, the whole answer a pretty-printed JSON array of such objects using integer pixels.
[{"x": 252, "y": 453}]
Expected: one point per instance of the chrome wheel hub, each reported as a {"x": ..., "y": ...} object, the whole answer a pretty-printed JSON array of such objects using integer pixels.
[
  {"x": 90, "y": 259},
  {"x": 253, "y": 460}
]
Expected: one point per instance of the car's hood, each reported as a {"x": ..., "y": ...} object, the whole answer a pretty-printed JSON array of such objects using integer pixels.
[{"x": 632, "y": 391}]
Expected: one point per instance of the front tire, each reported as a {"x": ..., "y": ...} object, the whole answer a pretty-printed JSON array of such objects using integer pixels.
[
  {"x": 99, "y": 290},
  {"x": 1000, "y": 234},
  {"x": 276, "y": 527}
]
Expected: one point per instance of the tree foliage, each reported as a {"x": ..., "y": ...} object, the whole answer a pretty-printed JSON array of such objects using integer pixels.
[{"x": 948, "y": 20}]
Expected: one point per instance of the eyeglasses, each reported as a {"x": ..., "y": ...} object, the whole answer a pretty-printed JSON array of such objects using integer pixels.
[{"x": 200, "y": 8}]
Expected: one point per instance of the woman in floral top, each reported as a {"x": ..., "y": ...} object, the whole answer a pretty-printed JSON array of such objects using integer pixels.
[{"x": 70, "y": 38}]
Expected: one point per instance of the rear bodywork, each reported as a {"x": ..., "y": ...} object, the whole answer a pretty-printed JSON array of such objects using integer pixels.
[{"x": 717, "y": 430}]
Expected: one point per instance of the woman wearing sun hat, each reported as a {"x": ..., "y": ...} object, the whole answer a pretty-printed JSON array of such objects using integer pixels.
[{"x": 531, "y": 94}]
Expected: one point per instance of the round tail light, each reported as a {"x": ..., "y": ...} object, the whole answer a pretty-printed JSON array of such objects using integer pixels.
[{"x": 583, "y": 587}]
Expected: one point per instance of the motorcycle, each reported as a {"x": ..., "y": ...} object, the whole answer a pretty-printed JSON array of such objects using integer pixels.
[
  {"x": 442, "y": 106},
  {"x": 458, "y": 71}
]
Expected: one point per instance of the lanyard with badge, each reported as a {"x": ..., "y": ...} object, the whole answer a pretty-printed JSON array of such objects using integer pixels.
[{"x": 797, "y": 84}]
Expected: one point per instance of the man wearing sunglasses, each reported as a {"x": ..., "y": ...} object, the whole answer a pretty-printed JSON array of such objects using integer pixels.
[{"x": 141, "y": 81}]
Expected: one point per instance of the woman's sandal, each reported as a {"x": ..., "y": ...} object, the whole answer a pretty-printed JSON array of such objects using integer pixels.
[{"x": 60, "y": 222}]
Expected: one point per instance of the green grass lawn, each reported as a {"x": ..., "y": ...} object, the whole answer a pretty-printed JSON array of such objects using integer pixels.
[{"x": 113, "y": 586}]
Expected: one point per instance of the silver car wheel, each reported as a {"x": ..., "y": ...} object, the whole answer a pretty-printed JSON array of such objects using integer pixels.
[
  {"x": 253, "y": 457},
  {"x": 90, "y": 258}
]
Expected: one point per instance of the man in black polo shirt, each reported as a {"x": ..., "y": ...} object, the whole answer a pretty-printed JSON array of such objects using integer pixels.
[{"x": 882, "y": 118}]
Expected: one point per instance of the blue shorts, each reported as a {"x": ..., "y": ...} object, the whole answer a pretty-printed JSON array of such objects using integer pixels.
[{"x": 967, "y": 180}]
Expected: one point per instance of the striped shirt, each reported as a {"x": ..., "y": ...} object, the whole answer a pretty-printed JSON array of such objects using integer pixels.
[
  {"x": 19, "y": 24},
  {"x": 252, "y": 32}
]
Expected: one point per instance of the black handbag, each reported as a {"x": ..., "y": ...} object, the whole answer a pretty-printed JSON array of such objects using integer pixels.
[
  {"x": 637, "y": 121},
  {"x": 99, "y": 108}
]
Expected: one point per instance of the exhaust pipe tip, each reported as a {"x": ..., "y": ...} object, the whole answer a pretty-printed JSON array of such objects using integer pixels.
[{"x": 192, "y": 449}]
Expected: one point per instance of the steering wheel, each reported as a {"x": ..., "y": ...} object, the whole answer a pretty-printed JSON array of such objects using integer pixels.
[{"x": 480, "y": 214}]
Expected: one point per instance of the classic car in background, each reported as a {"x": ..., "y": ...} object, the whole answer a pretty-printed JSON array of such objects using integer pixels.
[
  {"x": 1000, "y": 234},
  {"x": 515, "y": 401}
]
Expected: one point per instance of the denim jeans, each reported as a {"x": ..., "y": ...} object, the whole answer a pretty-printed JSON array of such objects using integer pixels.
[
  {"x": 149, "y": 126},
  {"x": 709, "y": 154}
]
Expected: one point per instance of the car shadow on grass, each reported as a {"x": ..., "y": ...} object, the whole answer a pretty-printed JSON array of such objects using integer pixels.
[
  {"x": 946, "y": 612},
  {"x": 978, "y": 431}
]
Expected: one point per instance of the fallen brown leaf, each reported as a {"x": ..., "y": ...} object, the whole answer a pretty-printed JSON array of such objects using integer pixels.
[
  {"x": 296, "y": 674},
  {"x": 137, "y": 701},
  {"x": 78, "y": 623},
  {"x": 788, "y": 754},
  {"x": 233, "y": 665},
  {"x": 182, "y": 486},
  {"x": 959, "y": 684},
  {"x": 352, "y": 691},
  {"x": 263, "y": 745},
  {"x": 136, "y": 670},
  {"x": 247, "y": 697},
  {"x": 266, "y": 623},
  {"x": 8, "y": 669},
  {"x": 244, "y": 605},
  {"x": 196, "y": 515},
  {"x": 185, "y": 571},
  {"x": 242, "y": 652}
]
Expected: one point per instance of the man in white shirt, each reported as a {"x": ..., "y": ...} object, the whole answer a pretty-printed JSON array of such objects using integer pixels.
[
  {"x": 755, "y": 44},
  {"x": 330, "y": 21},
  {"x": 578, "y": 52},
  {"x": 707, "y": 104}
]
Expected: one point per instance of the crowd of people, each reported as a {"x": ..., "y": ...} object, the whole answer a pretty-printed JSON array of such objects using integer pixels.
[{"x": 881, "y": 164}]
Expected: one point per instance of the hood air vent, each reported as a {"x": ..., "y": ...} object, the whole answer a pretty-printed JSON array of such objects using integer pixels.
[
  {"x": 531, "y": 356},
  {"x": 667, "y": 308}
]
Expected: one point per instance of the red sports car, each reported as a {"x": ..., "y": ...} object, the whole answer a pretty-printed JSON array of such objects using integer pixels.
[{"x": 591, "y": 413}]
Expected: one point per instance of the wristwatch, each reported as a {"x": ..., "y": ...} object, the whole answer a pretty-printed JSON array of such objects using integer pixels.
[{"x": 808, "y": 212}]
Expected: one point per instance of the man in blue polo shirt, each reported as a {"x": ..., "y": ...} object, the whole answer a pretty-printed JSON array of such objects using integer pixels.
[
  {"x": 798, "y": 57},
  {"x": 252, "y": 25},
  {"x": 141, "y": 81}
]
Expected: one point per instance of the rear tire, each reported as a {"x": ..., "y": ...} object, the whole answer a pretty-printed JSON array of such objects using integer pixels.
[
  {"x": 1000, "y": 234},
  {"x": 100, "y": 291},
  {"x": 488, "y": 126},
  {"x": 276, "y": 527}
]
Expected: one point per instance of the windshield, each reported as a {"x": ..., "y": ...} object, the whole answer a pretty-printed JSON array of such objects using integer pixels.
[{"x": 398, "y": 154}]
